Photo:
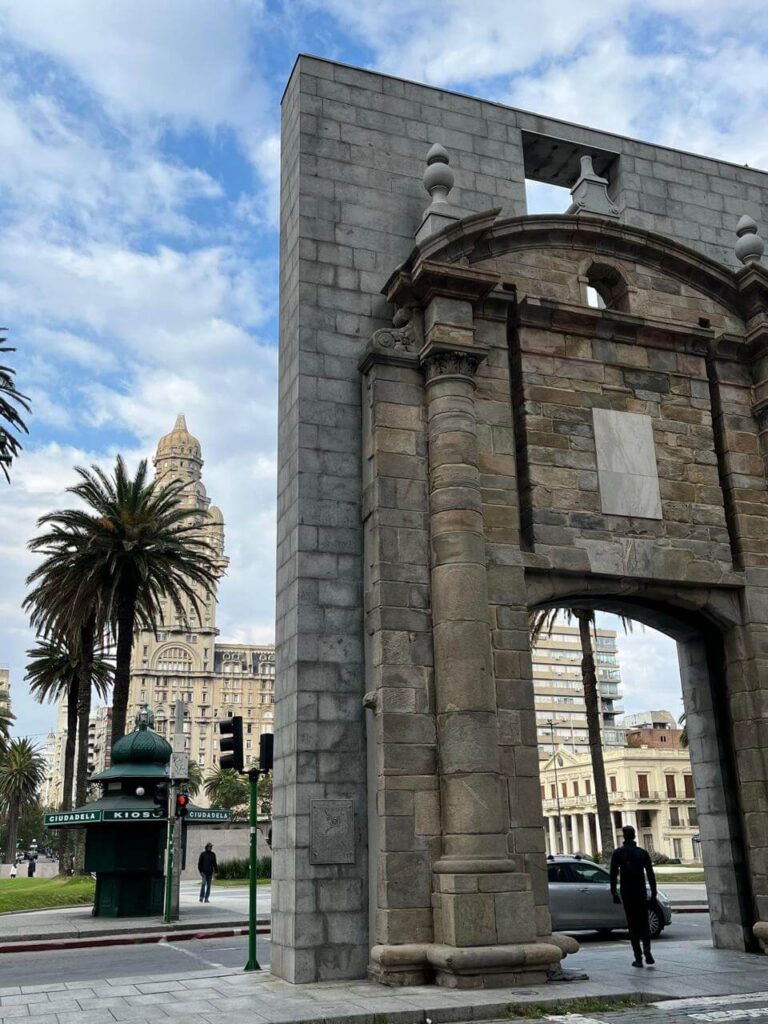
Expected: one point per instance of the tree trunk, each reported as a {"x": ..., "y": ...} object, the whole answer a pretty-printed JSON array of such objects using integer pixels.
[
  {"x": 13, "y": 833},
  {"x": 69, "y": 774},
  {"x": 592, "y": 701},
  {"x": 126, "y": 620},
  {"x": 83, "y": 721}
]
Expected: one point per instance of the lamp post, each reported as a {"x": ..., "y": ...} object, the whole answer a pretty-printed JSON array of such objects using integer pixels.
[{"x": 551, "y": 722}]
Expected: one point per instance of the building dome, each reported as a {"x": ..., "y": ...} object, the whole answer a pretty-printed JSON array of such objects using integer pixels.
[
  {"x": 179, "y": 442},
  {"x": 215, "y": 514}
]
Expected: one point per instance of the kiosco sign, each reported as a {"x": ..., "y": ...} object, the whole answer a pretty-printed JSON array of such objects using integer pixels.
[
  {"x": 89, "y": 817},
  {"x": 134, "y": 815}
]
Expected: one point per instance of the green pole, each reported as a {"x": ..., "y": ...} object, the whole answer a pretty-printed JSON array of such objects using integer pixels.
[
  {"x": 253, "y": 817},
  {"x": 168, "y": 913}
]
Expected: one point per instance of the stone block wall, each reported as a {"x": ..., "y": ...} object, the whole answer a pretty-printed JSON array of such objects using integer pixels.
[{"x": 353, "y": 151}]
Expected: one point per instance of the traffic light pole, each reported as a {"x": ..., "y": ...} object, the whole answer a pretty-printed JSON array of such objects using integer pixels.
[
  {"x": 253, "y": 818},
  {"x": 168, "y": 913}
]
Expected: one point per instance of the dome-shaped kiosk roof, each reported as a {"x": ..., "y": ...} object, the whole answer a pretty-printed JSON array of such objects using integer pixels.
[{"x": 142, "y": 753}]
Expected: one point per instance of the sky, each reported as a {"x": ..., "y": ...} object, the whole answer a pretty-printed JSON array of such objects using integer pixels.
[{"x": 138, "y": 219}]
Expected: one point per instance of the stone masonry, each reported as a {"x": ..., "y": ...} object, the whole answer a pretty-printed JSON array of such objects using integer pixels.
[{"x": 466, "y": 435}]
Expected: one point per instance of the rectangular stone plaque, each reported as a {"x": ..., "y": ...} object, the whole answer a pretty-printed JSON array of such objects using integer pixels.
[
  {"x": 626, "y": 464},
  {"x": 331, "y": 832}
]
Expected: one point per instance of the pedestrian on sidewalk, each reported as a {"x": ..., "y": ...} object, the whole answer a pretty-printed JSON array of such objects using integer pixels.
[
  {"x": 31, "y": 867},
  {"x": 207, "y": 866},
  {"x": 630, "y": 864},
  {"x": 12, "y": 873}
]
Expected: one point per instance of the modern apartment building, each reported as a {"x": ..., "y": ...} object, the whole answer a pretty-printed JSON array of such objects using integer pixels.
[{"x": 561, "y": 718}]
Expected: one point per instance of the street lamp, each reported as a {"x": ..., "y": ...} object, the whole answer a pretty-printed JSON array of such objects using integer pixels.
[{"x": 552, "y": 722}]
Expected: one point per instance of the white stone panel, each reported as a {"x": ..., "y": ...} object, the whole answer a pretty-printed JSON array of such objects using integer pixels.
[{"x": 626, "y": 464}]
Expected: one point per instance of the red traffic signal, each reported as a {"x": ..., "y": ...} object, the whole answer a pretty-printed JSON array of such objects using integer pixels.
[{"x": 182, "y": 805}]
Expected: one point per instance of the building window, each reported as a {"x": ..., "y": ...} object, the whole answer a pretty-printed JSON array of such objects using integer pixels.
[
  {"x": 642, "y": 785},
  {"x": 612, "y": 782},
  {"x": 671, "y": 790},
  {"x": 674, "y": 816},
  {"x": 588, "y": 787},
  {"x": 688, "y": 783},
  {"x": 552, "y": 791},
  {"x": 575, "y": 787},
  {"x": 174, "y": 659},
  {"x": 677, "y": 849},
  {"x": 564, "y": 788},
  {"x": 693, "y": 817}
]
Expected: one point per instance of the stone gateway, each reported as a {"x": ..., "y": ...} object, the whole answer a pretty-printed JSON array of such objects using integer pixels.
[{"x": 483, "y": 413}]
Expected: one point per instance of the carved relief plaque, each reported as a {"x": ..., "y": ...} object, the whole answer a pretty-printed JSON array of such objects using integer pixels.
[{"x": 331, "y": 832}]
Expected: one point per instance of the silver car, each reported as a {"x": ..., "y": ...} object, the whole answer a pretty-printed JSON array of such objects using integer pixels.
[{"x": 580, "y": 899}]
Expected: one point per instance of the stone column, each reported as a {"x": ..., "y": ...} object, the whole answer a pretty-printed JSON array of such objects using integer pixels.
[
  {"x": 575, "y": 833},
  {"x": 552, "y": 836},
  {"x": 482, "y": 902}
]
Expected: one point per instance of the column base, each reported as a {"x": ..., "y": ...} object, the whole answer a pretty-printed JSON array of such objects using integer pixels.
[{"x": 507, "y": 966}]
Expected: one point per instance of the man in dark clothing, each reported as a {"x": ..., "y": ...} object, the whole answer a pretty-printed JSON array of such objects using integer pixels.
[
  {"x": 206, "y": 865},
  {"x": 31, "y": 867},
  {"x": 631, "y": 864}
]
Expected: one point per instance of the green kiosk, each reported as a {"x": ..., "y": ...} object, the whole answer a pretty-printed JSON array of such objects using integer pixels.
[{"x": 126, "y": 827}]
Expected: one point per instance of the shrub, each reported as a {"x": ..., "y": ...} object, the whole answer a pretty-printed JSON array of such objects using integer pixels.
[
  {"x": 237, "y": 868},
  {"x": 659, "y": 858}
]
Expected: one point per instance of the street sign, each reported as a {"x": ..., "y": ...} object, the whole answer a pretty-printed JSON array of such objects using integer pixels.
[
  {"x": 208, "y": 814},
  {"x": 135, "y": 814},
  {"x": 179, "y": 766},
  {"x": 72, "y": 817}
]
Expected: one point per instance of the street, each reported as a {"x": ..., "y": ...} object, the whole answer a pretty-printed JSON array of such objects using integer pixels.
[{"x": 205, "y": 954}]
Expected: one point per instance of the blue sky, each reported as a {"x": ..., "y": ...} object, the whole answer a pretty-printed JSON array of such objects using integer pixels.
[{"x": 138, "y": 205}]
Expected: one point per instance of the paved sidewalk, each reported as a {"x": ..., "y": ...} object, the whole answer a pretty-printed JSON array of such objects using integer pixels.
[
  {"x": 214, "y": 997},
  {"x": 45, "y": 929}
]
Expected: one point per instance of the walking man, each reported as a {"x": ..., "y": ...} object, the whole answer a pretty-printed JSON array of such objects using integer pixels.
[
  {"x": 630, "y": 864},
  {"x": 206, "y": 865}
]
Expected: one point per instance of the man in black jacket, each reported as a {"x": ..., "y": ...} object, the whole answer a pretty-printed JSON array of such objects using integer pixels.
[
  {"x": 206, "y": 865},
  {"x": 631, "y": 864}
]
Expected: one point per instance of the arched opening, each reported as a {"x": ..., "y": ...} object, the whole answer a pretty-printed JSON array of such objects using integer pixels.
[
  {"x": 701, "y": 623},
  {"x": 605, "y": 288}
]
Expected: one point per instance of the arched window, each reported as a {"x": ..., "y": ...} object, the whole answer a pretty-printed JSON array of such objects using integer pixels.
[
  {"x": 174, "y": 659},
  {"x": 605, "y": 288}
]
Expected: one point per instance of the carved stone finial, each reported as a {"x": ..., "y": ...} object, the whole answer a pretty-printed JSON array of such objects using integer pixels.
[
  {"x": 590, "y": 192},
  {"x": 438, "y": 180},
  {"x": 749, "y": 246},
  {"x": 438, "y": 177}
]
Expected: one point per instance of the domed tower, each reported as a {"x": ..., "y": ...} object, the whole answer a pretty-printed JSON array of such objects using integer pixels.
[{"x": 179, "y": 457}]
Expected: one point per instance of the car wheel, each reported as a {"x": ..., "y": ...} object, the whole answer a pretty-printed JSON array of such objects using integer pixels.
[{"x": 655, "y": 923}]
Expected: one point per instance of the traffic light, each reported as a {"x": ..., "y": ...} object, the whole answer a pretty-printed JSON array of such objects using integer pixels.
[
  {"x": 160, "y": 797},
  {"x": 182, "y": 805},
  {"x": 231, "y": 743},
  {"x": 266, "y": 747}
]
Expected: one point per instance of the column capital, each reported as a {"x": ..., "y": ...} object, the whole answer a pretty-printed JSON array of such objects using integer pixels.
[{"x": 441, "y": 358}]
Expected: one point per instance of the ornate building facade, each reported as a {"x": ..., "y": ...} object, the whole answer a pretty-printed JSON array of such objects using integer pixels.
[{"x": 183, "y": 660}]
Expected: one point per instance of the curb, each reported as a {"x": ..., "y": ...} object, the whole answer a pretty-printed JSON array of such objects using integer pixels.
[{"x": 84, "y": 942}]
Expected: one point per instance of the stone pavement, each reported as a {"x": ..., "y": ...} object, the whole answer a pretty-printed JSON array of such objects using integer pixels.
[{"x": 692, "y": 971}]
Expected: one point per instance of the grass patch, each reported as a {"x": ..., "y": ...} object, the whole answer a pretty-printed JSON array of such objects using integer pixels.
[
  {"x": 42, "y": 893},
  {"x": 671, "y": 877},
  {"x": 583, "y": 1006}
]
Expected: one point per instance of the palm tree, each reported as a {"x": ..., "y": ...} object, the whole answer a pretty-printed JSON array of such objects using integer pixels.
[
  {"x": 133, "y": 547},
  {"x": 22, "y": 773},
  {"x": 543, "y": 622},
  {"x": 195, "y": 780},
  {"x": 53, "y": 674},
  {"x": 225, "y": 788},
  {"x": 11, "y": 402},
  {"x": 7, "y": 718}
]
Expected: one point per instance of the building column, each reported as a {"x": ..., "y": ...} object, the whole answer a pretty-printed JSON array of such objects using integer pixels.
[
  {"x": 629, "y": 818},
  {"x": 587, "y": 830},
  {"x": 575, "y": 833},
  {"x": 598, "y": 834},
  {"x": 564, "y": 834},
  {"x": 552, "y": 836},
  {"x": 481, "y": 898}
]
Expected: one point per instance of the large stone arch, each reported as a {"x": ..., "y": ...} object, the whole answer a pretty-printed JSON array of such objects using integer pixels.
[{"x": 501, "y": 417}]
